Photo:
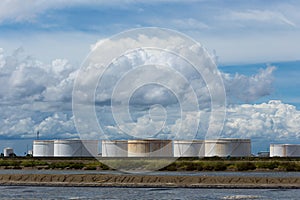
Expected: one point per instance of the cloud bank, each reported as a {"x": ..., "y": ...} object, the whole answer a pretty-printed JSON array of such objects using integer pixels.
[{"x": 36, "y": 96}]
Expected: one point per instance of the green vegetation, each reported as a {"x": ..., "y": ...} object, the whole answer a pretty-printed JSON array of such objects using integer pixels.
[
  {"x": 33, "y": 163},
  {"x": 212, "y": 164},
  {"x": 267, "y": 165},
  {"x": 182, "y": 164},
  {"x": 245, "y": 166}
]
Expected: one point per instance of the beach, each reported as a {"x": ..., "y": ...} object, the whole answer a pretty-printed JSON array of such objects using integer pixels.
[{"x": 139, "y": 180}]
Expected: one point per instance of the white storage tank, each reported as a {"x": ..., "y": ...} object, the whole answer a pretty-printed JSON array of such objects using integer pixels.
[
  {"x": 43, "y": 148},
  {"x": 114, "y": 148},
  {"x": 161, "y": 148},
  {"x": 150, "y": 148},
  {"x": 228, "y": 147},
  {"x": 75, "y": 148},
  {"x": 292, "y": 150},
  {"x": 277, "y": 150},
  {"x": 189, "y": 148},
  {"x": 8, "y": 151}
]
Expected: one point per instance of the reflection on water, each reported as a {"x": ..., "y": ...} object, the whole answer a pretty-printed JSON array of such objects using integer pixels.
[{"x": 27, "y": 192}]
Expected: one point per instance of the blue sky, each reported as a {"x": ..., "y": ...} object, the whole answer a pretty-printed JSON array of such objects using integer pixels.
[
  {"x": 43, "y": 43},
  {"x": 239, "y": 31}
]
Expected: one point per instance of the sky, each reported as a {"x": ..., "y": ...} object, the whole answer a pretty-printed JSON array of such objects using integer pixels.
[{"x": 255, "y": 44}]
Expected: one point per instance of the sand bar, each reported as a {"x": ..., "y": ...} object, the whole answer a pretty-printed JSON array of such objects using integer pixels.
[{"x": 132, "y": 180}]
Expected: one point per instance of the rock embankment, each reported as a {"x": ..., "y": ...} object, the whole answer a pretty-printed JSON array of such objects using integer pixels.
[{"x": 111, "y": 180}]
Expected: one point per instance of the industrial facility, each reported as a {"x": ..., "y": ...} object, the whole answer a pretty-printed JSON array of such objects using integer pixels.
[
  {"x": 284, "y": 150},
  {"x": 223, "y": 147},
  {"x": 177, "y": 148}
]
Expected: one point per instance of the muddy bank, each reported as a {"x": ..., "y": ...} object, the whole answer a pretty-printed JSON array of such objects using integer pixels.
[{"x": 110, "y": 180}]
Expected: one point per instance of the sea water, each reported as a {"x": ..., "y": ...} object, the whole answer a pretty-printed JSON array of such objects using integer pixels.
[{"x": 28, "y": 192}]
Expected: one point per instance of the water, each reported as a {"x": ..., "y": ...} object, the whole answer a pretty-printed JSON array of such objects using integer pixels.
[
  {"x": 252, "y": 174},
  {"x": 27, "y": 192}
]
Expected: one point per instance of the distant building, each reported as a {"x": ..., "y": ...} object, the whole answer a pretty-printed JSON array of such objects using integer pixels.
[{"x": 263, "y": 154}]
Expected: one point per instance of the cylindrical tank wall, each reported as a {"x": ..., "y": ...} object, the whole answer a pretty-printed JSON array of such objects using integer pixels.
[
  {"x": 115, "y": 148},
  {"x": 138, "y": 148},
  {"x": 228, "y": 147},
  {"x": 284, "y": 150},
  {"x": 277, "y": 150},
  {"x": 8, "y": 151},
  {"x": 43, "y": 148},
  {"x": 292, "y": 150},
  {"x": 161, "y": 148},
  {"x": 90, "y": 148},
  {"x": 150, "y": 148},
  {"x": 75, "y": 148},
  {"x": 184, "y": 148},
  {"x": 240, "y": 148}
]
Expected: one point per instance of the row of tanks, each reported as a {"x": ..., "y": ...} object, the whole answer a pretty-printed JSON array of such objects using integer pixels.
[
  {"x": 65, "y": 148},
  {"x": 143, "y": 148},
  {"x": 177, "y": 148}
]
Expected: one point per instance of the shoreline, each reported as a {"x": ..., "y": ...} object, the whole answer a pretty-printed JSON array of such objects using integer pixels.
[{"x": 149, "y": 181}]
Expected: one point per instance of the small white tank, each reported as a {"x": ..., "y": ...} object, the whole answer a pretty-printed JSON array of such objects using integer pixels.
[
  {"x": 189, "y": 148},
  {"x": 75, "y": 148},
  {"x": 29, "y": 152},
  {"x": 8, "y": 151},
  {"x": 114, "y": 148},
  {"x": 43, "y": 148}
]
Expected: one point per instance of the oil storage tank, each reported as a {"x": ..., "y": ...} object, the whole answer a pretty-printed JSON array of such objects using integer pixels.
[
  {"x": 292, "y": 150},
  {"x": 43, "y": 148},
  {"x": 114, "y": 148},
  {"x": 189, "y": 148},
  {"x": 75, "y": 148},
  {"x": 150, "y": 148},
  {"x": 277, "y": 150},
  {"x": 8, "y": 151},
  {"x": 161, "y": 148},
  {"x": 228, "y": 147}
]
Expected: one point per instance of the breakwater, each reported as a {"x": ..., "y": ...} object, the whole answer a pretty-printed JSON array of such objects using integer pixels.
[{"x": 133, "y": 180}]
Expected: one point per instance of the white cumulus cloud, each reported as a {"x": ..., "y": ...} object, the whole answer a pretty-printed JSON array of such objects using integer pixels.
[
  {"x": 249, "y": 88},
  {"x": 272, "y": 120},
  {"x": 36, "y": 96}
]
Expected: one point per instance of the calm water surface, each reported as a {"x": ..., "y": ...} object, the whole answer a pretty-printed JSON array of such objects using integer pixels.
[{"x": 27, "y": 192}]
